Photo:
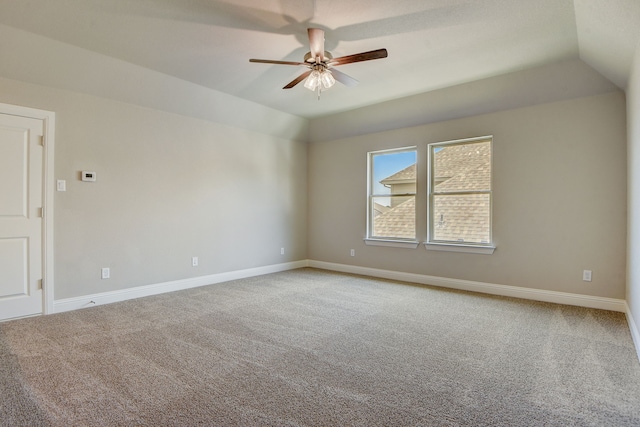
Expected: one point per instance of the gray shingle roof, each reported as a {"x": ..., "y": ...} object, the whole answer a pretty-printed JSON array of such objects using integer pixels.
[
  {"x": 397, "y": 222},
  {"x": 463, "y": 167},
  {"x": 406, "y": 174},
  {"x": 463, "y": 218}
]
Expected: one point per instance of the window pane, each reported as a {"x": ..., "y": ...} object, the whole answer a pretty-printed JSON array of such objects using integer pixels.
[
  {"x": 462, "y": 218},
  {"x": 394, "y": 217},
  {"x": 392, "y": 212},
  {"x": 462, "y": 167},
  {"x": 394, "y": 173}
]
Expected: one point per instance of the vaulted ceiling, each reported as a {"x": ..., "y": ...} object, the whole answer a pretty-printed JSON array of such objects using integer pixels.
[{"x": 432, "y": 44}]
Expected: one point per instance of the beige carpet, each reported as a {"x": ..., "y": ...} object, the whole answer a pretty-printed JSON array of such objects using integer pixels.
[{"x": 314, "y": 348}]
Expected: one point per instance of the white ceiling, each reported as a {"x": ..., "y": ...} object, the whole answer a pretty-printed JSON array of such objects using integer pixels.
[{"x": 432, "y": 44}]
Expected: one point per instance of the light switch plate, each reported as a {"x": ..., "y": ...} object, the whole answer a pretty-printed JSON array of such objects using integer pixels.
[{"x": 61, "y": 185}]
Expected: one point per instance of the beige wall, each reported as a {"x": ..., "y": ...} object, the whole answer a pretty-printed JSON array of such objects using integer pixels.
[
  {"x": 559, "y": 198},
  {"x": 168, "y": 187},
  {"x": 633, "y": 249},
  {"x": 186, "y": 171},
  {"x": 182, "y": 170}
]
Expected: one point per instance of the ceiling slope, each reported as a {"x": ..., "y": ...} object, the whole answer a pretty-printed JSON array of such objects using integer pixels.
[
  {"x": 608, "y": 33},
  {"x": 548, "y": 83},
  {"x": 432, "y": 44}
]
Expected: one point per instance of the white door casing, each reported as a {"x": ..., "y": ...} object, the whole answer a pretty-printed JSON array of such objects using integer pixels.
[{"x": 25, "y": 224}]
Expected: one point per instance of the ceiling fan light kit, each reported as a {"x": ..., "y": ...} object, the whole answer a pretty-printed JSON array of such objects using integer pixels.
[
  {"x": 319, "y": 80},
  {"x": 321, "y": 74}
]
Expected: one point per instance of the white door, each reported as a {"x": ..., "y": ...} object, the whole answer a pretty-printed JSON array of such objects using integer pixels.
[{"x": 21, "y": 227}]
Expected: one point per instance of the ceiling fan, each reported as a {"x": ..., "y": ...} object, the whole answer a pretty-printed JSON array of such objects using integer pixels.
[{"x": 322, "y": 74}]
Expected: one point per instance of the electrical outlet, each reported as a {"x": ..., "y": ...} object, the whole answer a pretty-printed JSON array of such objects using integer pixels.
[
  {"x": 281, "y": 251},
  {"x": 105, "y": 273},
  {"x": 586, "y": 275},
  {"x": 353, "y": 252},
  {"x": 194, "y": 261}
]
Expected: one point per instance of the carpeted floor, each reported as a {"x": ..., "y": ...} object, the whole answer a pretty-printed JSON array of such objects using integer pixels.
[{"x": 314, "y": 348}]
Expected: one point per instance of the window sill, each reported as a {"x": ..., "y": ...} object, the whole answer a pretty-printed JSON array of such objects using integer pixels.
[
  {"x": 470, "y": 249},
  {"x": 392, "y": 243}
]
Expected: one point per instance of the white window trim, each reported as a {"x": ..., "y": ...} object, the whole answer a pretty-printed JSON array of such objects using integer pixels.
[
  {"x": 479, "y": 248},
  {"x": 408, "y": 244},
  {"x": 381, "y": 241},
  {"x": 453, "y": 247}
]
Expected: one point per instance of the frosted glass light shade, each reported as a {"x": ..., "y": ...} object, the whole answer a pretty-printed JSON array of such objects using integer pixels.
[
  {"x": 313, "y": 81},
  {"x": 327, "y": 79},
  {"x": 319, "y": 80}
]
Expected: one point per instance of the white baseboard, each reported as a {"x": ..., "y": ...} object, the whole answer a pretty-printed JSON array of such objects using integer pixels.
[
  {"x": 466, "y": 285},
  {"x": 487, "y": 288},
  {"x": 635, "y": 334},
  {"x": 589, "y": 301},
  {"x": 85, "y": 301}
]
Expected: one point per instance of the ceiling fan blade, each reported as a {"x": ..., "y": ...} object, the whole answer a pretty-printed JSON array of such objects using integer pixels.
[
  {"x": 298, "y": 79},
  {"x": 359, "y": 57},
  {"x": 269, "y": 61},
  {"x": 316, "y": 43},
  {"x": 343, "y": 78}
]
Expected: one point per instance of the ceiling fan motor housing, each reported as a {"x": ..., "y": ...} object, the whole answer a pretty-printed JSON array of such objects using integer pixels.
[{"x": 310, "y": 59}]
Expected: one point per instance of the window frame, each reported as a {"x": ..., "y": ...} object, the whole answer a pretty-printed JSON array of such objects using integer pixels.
[
  {"x": 370, "y": 239},
  {"x": 453, "y": 246}
]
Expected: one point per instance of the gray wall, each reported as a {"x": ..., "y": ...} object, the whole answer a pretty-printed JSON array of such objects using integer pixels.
[
  {"x": 633, "y": 249},
  {"x": 169, "y": 187},
  {"x": 559, "y": 197},
  {"x": 185, "y": 171},
  {"x": 182, "y": 170}
]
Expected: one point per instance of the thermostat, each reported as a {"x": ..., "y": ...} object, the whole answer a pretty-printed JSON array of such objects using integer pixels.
[{"x": 88, "y": 176}]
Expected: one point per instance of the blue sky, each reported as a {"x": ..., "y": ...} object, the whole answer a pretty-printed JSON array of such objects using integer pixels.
[{"x": 385, "y": 165}]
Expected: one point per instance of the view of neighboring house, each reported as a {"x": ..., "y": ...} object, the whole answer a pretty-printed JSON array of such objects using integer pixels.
[
  {"x": 399, "y": 218},
  {"x": 460, "y": 214}
]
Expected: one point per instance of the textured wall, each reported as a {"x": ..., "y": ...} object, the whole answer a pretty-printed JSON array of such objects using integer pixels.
[
  {"x": 168, "y": 187},
  {"x": 633, "y": 250},
  {"x": 182, "y": 170},
  {"x": 559, "y": 198}
]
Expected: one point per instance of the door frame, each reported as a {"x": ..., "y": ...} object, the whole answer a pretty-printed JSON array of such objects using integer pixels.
[{"x": 48, "y": 118}]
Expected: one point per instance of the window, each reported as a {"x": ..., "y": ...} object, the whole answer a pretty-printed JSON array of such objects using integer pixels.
[
  {"x": 460, "y": 193},
  {"x": 392, "y": 195}
]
